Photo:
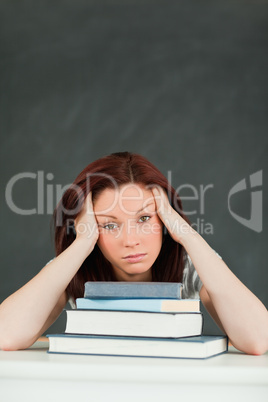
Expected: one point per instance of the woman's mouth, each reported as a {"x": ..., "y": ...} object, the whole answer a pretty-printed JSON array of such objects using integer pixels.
[{"x": 132, "y": 258}]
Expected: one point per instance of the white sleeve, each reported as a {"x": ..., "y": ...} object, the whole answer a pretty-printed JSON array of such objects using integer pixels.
[{"x": 72, "y": 303}]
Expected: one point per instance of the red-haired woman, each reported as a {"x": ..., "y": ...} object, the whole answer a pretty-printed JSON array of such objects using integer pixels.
[{"x": 122, "y": 221}]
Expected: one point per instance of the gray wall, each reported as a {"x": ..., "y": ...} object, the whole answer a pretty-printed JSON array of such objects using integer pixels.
[{"x": 183, "y": 83}]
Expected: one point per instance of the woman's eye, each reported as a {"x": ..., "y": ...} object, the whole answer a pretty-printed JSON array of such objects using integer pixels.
[
  {"x": 144, "y": 218},
  {"x": 110, "y": 226}
]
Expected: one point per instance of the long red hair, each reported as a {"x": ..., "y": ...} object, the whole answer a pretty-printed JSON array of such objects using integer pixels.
[{"x": 107, "y": 172}]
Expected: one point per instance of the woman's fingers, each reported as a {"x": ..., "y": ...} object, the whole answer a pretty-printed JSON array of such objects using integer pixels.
[
  {"x": 85, "y": 223},
  {"x": 175, "y": 224},
  {"x": 164, "y": 209}
]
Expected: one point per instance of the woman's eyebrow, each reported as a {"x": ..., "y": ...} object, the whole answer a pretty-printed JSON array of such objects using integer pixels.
[
  {"x": 142, "y": 209},
  {"x": 106, "y": 216},
  {"x": 114, "y": 217}
]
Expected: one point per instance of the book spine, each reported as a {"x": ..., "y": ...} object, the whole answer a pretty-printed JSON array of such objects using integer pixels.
[{"x": 101, "y": 290}]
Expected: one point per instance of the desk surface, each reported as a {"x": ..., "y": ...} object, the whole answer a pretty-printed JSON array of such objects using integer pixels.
[{"x": 232, "y": 369}]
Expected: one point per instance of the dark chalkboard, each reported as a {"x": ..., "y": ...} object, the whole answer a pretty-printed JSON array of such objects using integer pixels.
[{"x": 183, "y": 83}]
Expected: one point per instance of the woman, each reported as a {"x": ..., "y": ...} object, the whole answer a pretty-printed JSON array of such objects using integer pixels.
[{"x": 116, "y": 223}]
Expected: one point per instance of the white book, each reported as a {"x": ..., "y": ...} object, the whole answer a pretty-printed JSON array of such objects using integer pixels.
[
  {"x": 132, "y": 323},
  {"x": 198, "y": 347}
]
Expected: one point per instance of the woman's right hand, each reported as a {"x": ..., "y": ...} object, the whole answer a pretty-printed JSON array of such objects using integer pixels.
[{"x": 86, "y": 226}]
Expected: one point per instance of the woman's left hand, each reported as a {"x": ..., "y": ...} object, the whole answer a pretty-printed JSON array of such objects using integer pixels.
[{"x": 175, "y": 224}]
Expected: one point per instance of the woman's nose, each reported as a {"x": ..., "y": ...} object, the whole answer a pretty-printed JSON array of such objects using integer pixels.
[{"x": 130, "y": 236}]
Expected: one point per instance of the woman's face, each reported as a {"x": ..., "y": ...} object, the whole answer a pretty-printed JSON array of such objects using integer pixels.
[{"x": 130, "y": 231}]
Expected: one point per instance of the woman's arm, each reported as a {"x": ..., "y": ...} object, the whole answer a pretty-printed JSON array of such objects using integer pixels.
[
  {"x": 27, "y": 313},
  {"x": 234, "y": 307}
]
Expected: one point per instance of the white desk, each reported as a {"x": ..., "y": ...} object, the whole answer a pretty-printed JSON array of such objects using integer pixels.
[{"x": 34, "y": 375}]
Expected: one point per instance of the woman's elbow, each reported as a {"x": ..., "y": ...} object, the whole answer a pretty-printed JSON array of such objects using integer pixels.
[
  {"x": 10, "y": 343},
  {"x": 256, "y": 346},
  {"x": 8, "y": 346}
]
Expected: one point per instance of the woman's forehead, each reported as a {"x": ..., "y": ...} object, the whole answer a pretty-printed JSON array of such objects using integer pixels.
[{"x": 129, "y": 198}]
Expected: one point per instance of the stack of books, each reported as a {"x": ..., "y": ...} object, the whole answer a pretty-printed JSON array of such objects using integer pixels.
[{"x": 136, "y": 319}]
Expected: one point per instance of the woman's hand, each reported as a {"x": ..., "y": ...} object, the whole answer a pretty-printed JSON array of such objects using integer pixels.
[
  {"x": 175, "y": 224},
  {"x": 86, "y": 226}
]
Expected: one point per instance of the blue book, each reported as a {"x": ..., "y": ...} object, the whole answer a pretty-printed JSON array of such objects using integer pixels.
[
  {"x": 153, "y": 305},
  {"x": 133, "y": 290},
  {"x": 197, "y": 347}
]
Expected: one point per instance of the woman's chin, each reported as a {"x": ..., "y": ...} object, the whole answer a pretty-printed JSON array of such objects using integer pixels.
[{"x": 134, "y": 274}]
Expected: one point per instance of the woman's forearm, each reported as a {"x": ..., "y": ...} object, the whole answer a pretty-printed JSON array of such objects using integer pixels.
[
  {"x": 25, "y": 313},
  {"x": 242, "y": 315}
]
